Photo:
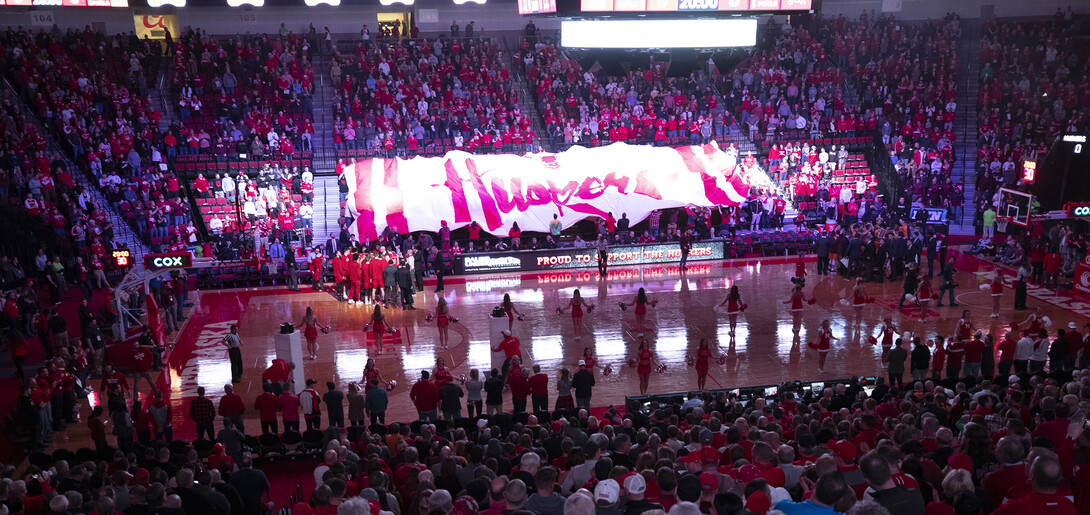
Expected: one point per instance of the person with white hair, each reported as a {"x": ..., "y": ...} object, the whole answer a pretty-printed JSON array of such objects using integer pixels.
[
  {"x": 58, "y": 504},
  {"x": 354, "y": 506},
  {"x": 440, "y": 499},
  {"x": 580, "y": 503},
  {"x": 685, "y": 508}
]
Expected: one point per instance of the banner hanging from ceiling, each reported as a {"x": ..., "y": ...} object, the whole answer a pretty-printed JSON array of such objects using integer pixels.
[
  {"x": 155, "y": 26},
  {"x": 496, "y": 191}
]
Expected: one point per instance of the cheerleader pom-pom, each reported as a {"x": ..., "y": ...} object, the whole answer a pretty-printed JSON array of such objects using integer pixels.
[
  {"x": 366, "y": 327},
  {"x": 454, "y": 320},
  {"x": 872, "y": 340},
  {"x": 521, "y": 317},
  {"x": 631, "y": 362},
  {"x": 689, "y": 361},
  {"x": 661, "y": 369},
  {"x": 1047, "y": 321},
  {"x": 985, "y": 287},
  {"x": 744, "y": 306},
  {"x": 623, "y": 307},
  {"x": 391, "y": 385},
  {"x": 325, "y": 330},
  {"x": 607, "y": 370},
  {"x": 870, "y": 300},
  {"x": 590, "y": 309},
  {"x": 722, "y": 359},
  {"x": 429, "y": 317},
  {"x": 654, "y": 303},
  {"x": 812, "y": 345},
  {"x": 844, "y": 302},
  {"x": 812, "y": 301},
  {"x": 559, "y": 310},
  {"x": 390, "y": 330},
  {"x": 910, "y": 298},
  {"x": 462, "y": 379}
]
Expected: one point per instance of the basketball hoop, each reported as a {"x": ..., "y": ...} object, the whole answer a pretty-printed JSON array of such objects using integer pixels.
[{"x": 1001, "y": 223}]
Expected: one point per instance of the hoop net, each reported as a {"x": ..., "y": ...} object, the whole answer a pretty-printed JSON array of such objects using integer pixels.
[{"x": 1001, "y": 223}]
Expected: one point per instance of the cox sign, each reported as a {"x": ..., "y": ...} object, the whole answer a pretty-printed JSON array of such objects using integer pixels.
[
  {"x": 1078, "y": 209},
  {"x": 169, "y": 260}
]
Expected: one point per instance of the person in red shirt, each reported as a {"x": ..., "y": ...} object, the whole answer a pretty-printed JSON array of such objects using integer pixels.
[
  {"x": 1011, "y": 472},
  {"x": 267, "y": 405},
  {"x": 1045, "y": 478},
  {"x": 425, "y": 397},
  {"x": 140, "y": 365},
  {"x": 232, "y": 407},
  {"x": 974, "y": 352},
  {"x": 1006, "y": 350},
  {"x": 278, "y": 372},
  {"x": 510, "y": 348},
  {"x": 1052, "y": 263},
  {"x": 539, "y": 390},
  {"x": 520, "y": 386}
]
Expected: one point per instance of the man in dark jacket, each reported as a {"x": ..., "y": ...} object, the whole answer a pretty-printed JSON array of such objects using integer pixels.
[
  {"x": 582, "y": 382},
  {"x": 920, "y": 360},
  {"x": 898, "y": 247},
  {"x": 389, "y": 278},
  {"x": 855, "y": 254},
  {"x": 897, "y": 357},
  {"x": 947, "y": 283},
  {"x": 404, "y": 280},
  {"x": 821, "y": 247}
]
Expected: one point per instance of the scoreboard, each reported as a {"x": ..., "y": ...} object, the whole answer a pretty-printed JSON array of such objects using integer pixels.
[
  {"x": 694, "y": 5},
  {"x": 536, "y": 6}
]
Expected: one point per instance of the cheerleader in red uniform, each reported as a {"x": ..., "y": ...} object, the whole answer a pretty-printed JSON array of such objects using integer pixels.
[
  {"x": 442, "y": 320},
  {"x": 996, "y": 291},
  {"x": 734, "y": 308},
  {"x": 310, "y": 327},
  {"x": 641, "y": 310},
  {"x": 923, "y": 296},
  {"x": 643, "y": 365},
  {"x": 370, "y": 371},
  {"x": 886, "y": 333},
  {"x": 441, "y": 375},
  {"x": 378, "y": 327},
  {"x": 800, "y": 267},
  {"x": 509, "y": 308},
  {"x": 822, "y": 346},
  {"x": 1034, "y": 322},
  {"x": 588, "y": 359},
  {"x": 964, "y": 327},
  {"x": 797, "y": 301},
  {"x": 703, "y": 355},
  {"x": 576, "y": 307},
  {"x": 859, "y": 299}
]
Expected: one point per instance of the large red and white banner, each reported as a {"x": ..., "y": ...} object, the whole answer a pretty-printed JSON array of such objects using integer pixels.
[{"x": 416, "y": 194}]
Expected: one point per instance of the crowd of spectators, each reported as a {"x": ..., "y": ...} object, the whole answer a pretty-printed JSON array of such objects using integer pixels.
[
  {"x": 795, "y": 90},
  {"x": 971, "y": 443},
  {"x": 425, "y": 96},
  {"x": 645, "y": 105},
  {"x": 1032, "y": 89},
  {"x": 249, "y": 95}
]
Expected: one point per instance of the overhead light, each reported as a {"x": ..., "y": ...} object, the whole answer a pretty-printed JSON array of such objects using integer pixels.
[
  {"x": 240, "y": 3},
  {"x": 461, "y": 2},
  {"x": 161, "y": 3},
  {"x": 392, "y": 2},
  {"x": 312, "y": 3}
]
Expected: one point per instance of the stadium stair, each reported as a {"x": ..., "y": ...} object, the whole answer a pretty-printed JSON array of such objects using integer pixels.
[
  {"x": 123, "y": 233},
  {"x": 965, "y": 124}
]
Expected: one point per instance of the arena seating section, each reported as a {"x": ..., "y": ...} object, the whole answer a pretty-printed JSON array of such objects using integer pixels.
[{"x": 1033, "y": 86}]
